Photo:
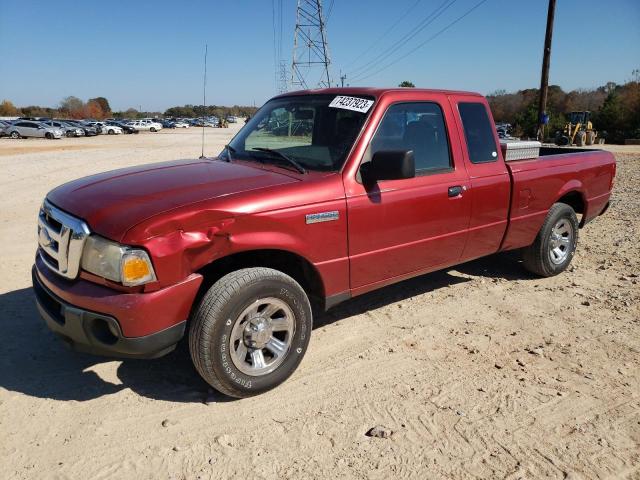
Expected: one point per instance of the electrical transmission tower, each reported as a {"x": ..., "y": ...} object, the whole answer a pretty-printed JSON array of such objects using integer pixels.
[{"x": 310, "y": 48}]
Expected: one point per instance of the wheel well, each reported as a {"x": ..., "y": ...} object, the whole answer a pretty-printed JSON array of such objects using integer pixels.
[
  {"x": 574, "y": 200},
  {"x": 297, "y": 267}
]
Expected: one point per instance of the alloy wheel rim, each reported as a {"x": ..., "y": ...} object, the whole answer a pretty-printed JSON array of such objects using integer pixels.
[
  {"x": 261, "y": 336},
  {"x": 560, "y": 241}
]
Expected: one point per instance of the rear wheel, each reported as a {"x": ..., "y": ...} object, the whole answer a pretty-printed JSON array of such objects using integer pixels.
[
  {"x": 14, "y": 134},
  {"x": 110, "y": 131},
  {"x": 250, "y": 331},
  {"x": 48, "y": 136},
  {"x": 152, "y": 129},
  {"x": 555, "y": 244}
]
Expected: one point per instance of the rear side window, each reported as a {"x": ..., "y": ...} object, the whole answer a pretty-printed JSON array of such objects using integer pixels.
[{"x": 478, "y": 132}]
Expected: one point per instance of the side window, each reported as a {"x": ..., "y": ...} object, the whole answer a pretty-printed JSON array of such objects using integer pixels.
[
  {"x": 415, "y": 126},
  {"x": 478, "y": 132}
]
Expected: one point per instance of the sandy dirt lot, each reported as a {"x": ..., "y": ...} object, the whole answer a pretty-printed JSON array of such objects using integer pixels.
[{"x": 481, "y": 371}]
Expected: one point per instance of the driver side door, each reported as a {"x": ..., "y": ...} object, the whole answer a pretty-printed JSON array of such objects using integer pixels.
[{"x": 401, "y": 228}]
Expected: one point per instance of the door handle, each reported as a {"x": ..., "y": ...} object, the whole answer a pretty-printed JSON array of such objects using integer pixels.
[{"x": 455, "y": 191}]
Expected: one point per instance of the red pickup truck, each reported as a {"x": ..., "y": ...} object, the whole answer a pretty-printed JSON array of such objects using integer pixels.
[{"x": 323, "y": 195}]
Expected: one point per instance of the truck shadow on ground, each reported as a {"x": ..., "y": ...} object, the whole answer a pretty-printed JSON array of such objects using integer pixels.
[{"x": 33, "y": 362}]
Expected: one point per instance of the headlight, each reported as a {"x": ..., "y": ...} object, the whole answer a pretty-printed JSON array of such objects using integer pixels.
[{"x": 116, "y": 262}]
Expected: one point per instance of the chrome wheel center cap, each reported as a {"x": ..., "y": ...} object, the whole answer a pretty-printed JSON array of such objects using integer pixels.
[{"x": 257, "y": 332}]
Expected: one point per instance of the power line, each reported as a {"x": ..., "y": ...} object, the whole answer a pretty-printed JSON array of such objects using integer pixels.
[
  {"x": 395, "y": 24},
  {"x": 424, "y": 23},
  {"x": 329, "y": 10},
  {"x": 434, "y": 36}
]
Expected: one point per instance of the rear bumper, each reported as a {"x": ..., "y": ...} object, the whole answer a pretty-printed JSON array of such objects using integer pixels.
[{"x": 94, "y": 319}]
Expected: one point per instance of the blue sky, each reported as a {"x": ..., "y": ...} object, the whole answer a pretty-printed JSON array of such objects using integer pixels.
[{"x": 150, "y": 53}]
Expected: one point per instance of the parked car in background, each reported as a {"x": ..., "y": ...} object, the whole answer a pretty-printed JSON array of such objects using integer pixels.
[
  {"x": 125, "y": 128},
  {"x": 181, "y": 124},
  {"x": 88, "y": 130},
  {"x": 4, "y": 124},
  {"x": 25, "y": 128},
  {"x": 96, "y": 125},
  {"x": 110, "y": 129},
  {"x": 167, "y": 124},
  {"x": 68, "y": 129},
  {"x": 146, "y": 125},
  {"x": 232, "y": 119}
]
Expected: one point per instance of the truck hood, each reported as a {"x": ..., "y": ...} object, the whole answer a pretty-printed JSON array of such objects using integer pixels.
[{"x": 113, "y": 202}]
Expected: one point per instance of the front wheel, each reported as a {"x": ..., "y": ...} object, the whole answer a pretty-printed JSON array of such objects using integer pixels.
[
  {"x": 153, "y": 129},
  {"x": 250, "y": 331},
  {"x": 14, "y": 134},
  {"x": 555, "y": 245}
]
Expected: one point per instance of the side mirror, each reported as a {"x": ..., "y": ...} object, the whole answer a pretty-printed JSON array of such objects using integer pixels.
[{"x": 389, "y": 165}]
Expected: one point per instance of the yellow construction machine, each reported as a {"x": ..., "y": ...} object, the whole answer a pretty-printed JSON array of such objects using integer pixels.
[{"x": 578, "y": 130}]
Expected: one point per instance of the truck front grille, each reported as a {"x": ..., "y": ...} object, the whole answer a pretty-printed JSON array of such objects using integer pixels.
[{"x": 61, "y": 239}]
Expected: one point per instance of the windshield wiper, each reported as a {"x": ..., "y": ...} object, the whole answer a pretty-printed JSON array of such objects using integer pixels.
[{"x": 281, "y": 155}]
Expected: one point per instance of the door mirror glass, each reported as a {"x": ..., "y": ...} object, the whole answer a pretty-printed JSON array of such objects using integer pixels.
[{"x": 389, "y": 165}]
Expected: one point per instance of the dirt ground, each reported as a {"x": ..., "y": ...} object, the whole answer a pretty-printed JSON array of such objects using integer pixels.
[{"x": 481, "y": 371}]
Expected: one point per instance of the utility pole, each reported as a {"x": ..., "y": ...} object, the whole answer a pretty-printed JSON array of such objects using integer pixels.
[
  {"x": 544, "y": 78},
  {"x": 310, "y": 47},
  {"x": 342, "y": 79}
]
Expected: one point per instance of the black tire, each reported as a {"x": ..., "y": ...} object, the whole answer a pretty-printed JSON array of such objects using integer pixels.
[
  {"x": 152, "y": 129},
  {"x": 539, "y": 257},
  {"x": 48, "y": 136},
  {"x": 591, "y": 138},
  {"x": 212, "y": 325},
  {"x": 14, "y": 134},
  {"x": 110, "y": 131},
  {"x": 70, "y": 134},
  {"x": 581, "y": 138}
]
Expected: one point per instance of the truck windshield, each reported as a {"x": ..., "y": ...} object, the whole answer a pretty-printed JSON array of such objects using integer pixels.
[{"x": 316, "y": 131}]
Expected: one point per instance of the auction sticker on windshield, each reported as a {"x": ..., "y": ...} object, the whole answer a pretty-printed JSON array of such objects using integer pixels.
[{"x": 352, "y": 103}]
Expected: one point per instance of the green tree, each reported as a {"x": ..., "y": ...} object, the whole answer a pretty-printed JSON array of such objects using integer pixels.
[{"x": 407, "y": 84}]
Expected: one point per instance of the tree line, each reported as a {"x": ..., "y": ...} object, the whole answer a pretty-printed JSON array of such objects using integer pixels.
[
  {"x": 615, "y": 109},
  {"x": 98, "y": 108}
]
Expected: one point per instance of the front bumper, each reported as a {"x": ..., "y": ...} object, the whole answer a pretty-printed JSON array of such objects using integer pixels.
[{"x": 95, "y": 319}]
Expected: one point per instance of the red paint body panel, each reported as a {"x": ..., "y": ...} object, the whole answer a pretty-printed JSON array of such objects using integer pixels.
[
  {"x": 187, "y": 214},
  {"x": 138, "y": 314},
  {"x": 112, "y": 202},
  {"x": 539, "y": 183}
]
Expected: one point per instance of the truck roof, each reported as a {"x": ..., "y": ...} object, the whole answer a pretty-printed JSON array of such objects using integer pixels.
[{"x": 374, "y": 91}]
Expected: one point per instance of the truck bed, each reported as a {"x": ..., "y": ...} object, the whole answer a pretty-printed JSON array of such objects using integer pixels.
[{"x": 582, "y": 178}]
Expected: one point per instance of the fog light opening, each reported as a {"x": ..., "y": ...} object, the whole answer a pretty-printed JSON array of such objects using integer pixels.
[{"x": 104, "y": 331}]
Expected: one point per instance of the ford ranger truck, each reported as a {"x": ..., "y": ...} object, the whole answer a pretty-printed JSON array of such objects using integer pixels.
[{"x": 323, "y": 195}]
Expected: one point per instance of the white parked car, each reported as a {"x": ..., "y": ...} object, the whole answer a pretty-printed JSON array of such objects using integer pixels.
[
  {"x": 181, "y": 124},
  {"x": 110, "y": 129},
  {"x": 145, "y": 125}
]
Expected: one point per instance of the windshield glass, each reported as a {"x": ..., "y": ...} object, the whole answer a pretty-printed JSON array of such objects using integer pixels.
[{"x": 304, "y": 128}]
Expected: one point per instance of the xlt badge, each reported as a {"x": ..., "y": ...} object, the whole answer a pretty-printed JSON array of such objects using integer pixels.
[{"x": 322, "y": 217}]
